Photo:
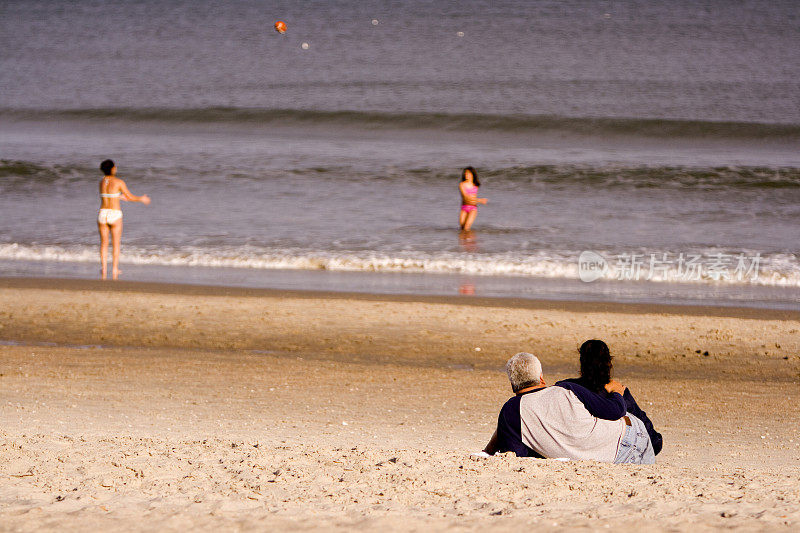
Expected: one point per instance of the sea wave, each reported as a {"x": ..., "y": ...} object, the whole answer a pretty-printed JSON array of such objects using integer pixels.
[
  {"x": 373, "y": 120},
  {"x": 12, "y": 171},
  {"x": 16, "y": 173},
  {"x": 770, "y": 270},
  {"x": 721, "y": 177}
]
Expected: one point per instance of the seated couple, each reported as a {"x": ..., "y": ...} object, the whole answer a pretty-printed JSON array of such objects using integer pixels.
[{"x": 589, "y": 418}]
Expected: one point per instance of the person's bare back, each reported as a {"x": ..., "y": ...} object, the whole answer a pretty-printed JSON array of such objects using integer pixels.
[{"x": 109, "y": 218}]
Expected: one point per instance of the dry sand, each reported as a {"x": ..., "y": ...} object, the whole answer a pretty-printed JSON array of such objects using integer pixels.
[{"x": 138, "y": 407}]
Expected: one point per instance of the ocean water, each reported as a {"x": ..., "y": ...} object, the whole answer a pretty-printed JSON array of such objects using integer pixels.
[{"x": 662, "y": 136}]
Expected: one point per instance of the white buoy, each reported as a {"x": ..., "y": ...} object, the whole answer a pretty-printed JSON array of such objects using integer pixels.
[
  {"x": 374, "y": 22},
  {"x": 304, "y": 46},
  {"x": 460, "y": 34}
]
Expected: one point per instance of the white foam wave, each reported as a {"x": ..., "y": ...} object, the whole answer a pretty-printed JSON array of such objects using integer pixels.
[{"x": 777, "y": 270}]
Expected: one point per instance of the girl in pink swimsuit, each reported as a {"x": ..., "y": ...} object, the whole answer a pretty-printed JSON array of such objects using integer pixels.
[{"x": 469, "y": 198}]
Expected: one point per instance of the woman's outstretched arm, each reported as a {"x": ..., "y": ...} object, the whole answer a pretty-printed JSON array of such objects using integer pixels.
[{"x": 129, "y": 197}]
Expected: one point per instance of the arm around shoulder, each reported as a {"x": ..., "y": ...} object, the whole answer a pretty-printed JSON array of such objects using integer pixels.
[{"x": 611, "y": 407}]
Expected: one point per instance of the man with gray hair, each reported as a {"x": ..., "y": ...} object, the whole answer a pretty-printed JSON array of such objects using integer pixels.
[{"x": 564, "y": 421}]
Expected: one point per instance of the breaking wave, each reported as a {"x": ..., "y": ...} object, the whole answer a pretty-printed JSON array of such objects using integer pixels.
[
  {"x": 772, "y": 270},
  {"x": 24, "y": 174},
  {"x": 373, "y": 120}
]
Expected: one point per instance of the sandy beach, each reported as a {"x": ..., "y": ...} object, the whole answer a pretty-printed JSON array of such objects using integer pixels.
[{"x": 134, "y": 406}]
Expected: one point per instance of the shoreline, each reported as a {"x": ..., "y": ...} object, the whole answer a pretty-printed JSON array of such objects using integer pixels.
[
  {"x": 422, "y": 331},
  {"x": 187, "y": 289}
]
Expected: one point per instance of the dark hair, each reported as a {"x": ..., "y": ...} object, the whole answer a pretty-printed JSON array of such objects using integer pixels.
[
  {"x": 595, "y": 365},
  {"x": 106, "y": 166},
  {"x": 474, "y": 176}
]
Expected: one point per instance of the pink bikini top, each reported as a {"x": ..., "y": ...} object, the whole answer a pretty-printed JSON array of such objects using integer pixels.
[{"x": 471, "y": 190}]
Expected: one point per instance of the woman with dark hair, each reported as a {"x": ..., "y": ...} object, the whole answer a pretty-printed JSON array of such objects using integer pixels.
[
  {"x": 596, "y": 370},
  {"x": 469, "y": 198},
  {"x": 109, "y": 219},
  {"x": 595, "y": 365}
]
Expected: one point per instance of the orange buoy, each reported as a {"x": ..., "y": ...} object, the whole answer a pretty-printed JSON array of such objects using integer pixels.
[{"x": 280, "y": 26}]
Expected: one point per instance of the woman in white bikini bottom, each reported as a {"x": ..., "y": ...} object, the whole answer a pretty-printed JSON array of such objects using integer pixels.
[
  {"x": 109, "y": 216},
  {"x": 109, "y": 219}
]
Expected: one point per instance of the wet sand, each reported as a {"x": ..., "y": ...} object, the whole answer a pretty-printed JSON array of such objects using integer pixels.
[{"x": 141, "y": 406}]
